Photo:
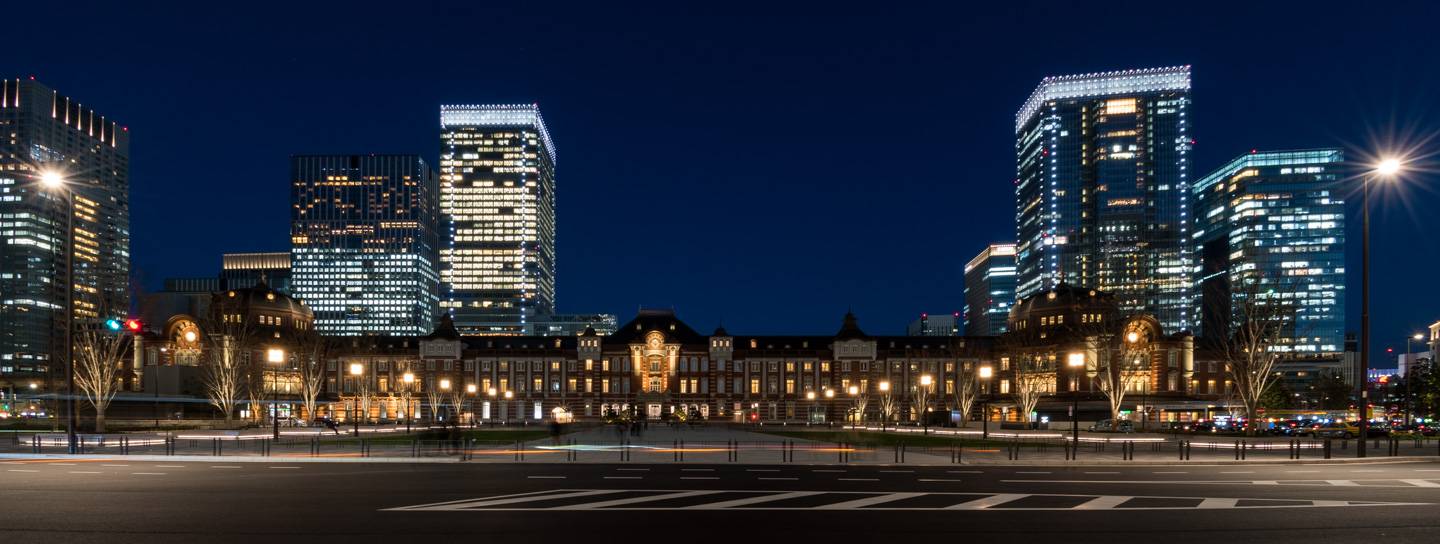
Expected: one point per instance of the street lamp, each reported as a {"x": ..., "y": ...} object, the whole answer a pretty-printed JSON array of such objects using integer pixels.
[
  {"x": 1409, "y": 372},
  {"x": 885, "y": 404},
  {"x": 1387, "y": 168},
  {"x": 925, "y": 383},
  {"x": 471, "y": 390},
  {"x": 985, "y": 373},
  {"x": 275, "y": 356},
  {"x": 445, "y": 386},
  {"x": 54, "y": 180},
  {"x": 356, "y": 371},
  {"x": 408, "y": 379},
  {"x": 854, "y": 392},
  {"x": 1075, "y": 361}
]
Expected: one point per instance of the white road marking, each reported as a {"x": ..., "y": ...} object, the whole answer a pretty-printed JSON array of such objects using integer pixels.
[
  {"x": 1102, "y": 472},
  {"x": 987, "y": 502},
  {"x": 937, "y": 480},
  {"x": 224, "y": 466},
  {"x": 1169, "y": 472},
  {"x": 169, "y": 466},
  {"x": 697, "y": 470},
  {"x": 1427, "y": 470},
  {"x": 593, "y": 499},
  {"x": 826, "y": 470},
  {"x": 775, "y": 478},
  {"x": 751, "y": 500},
  {"x": 1341, "y": 482},
  {"x": 857, "y": 479},
  {"x": 1421, "y": 483},
  {"x": 84, "y": 472},
  {"x": 19, "y": 470},
  {"x": 623, "y": 477},
  {"x": 868, "y": 501},
  {"x": 1103, "y": 503},
  {"x": 1237, "y": 472},
  {"x": 1301, "y": 471},
  {"x": 634, "y": 500},
  {"x": 148, "y": 473}
]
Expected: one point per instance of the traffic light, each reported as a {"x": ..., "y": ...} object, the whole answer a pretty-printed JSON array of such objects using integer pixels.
[
  {"x": 113, "y": 324},
  {"x": 132, "y": 325}
]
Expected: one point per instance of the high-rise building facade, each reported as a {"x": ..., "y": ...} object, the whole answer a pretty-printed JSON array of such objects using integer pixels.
[
  {"x": 1102, "y": 194},
  {"x": 1276, "y": 218},
  {"x": 53, "y": 148},
  {"x": 497, "y": 183},
  {"x": 244, "y": 270},
  {"x": 989, "y": 290},
  {"x": 364, "y": 238},
  {"x": 935, "y": 325}
]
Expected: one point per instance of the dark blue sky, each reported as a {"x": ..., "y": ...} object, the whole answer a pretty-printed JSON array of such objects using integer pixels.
[{"x": 768, "y": 168}]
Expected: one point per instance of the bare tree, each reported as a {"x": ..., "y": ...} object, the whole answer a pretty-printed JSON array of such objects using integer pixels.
[
  {"x": 1117, "y": 362},
  {"x": 861, "y": 403},
  {"x": 922, "y": 401},
  {"x": 1033, "y": 377},
  {"x": 311, "y": 352},
  {"x": 223, "y": 369},
  {"x": 1261, "y": 314},
  {"x": 99, "y": 366},
  {"x": 966, "y": 391},
  {"x": 888, "y": 408},
  {"x": 457, "y": 402},
  {"x": 436, "y": 398}
]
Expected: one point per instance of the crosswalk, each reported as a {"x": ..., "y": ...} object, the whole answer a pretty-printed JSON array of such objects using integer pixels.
[
  {"x": 1402, "y": 483},
  {"x": 708, "y": 499}
]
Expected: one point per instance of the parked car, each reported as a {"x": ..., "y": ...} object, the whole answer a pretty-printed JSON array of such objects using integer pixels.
[{"x": 1106, "y": 425}]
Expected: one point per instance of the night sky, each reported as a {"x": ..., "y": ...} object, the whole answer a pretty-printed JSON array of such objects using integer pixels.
[{"x": 766, "y": 170}]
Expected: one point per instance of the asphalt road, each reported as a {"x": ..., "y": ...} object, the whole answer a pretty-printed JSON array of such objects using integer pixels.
[{"x": 176, "y": 501}]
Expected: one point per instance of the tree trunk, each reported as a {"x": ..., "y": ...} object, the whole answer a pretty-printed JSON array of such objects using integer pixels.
[{"x": 99, "y": 421}]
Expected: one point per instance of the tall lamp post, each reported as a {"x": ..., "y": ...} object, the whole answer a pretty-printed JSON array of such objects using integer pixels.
[
  {"x": 276, "y": 357},
  {"x": 810, "y": 396},
  {"x": 508, "y": 395},
  {"x": 985, "y": 373},
  {"x": 357, "y": 370},
  {"x": 407, "y": 380},
  {"x": 494, "y": 407},
  {"x": 1075, "y": 361},
  {"x": 52, "y": 180},
  {"x": 1386, "y": 168},
  {"x": 829, "y": 396},
  {"x": 471, "y": 390},
  {"x": 854, "y": 392},
  {"x": 885, "y": 404},
  {"x": 445, "y": 386},
  {"x": 926, "y": 383},
  {"x": 1409, "y": 373}
]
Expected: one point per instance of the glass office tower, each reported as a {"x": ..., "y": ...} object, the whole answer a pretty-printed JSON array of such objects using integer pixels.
[
  {"x": 1276, "y": 217},
  {"x": 989, "y": 290},
  {"x": 364, "y": 237},
  {"x": 497, "y": 183},
  {"x": 43, "y": 132},
  {"x": 1101, "y": 191}
]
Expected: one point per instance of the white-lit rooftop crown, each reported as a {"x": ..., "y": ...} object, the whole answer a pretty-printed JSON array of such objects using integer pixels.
[
  {"x": 1176, "y": 78},
  {"x": 487, "y": 115}
]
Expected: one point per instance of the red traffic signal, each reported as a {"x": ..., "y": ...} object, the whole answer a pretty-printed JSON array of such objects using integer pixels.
[{"x": 133, "y": 325}]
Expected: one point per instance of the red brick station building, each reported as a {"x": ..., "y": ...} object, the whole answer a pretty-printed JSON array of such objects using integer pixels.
[{"x": 656, "y": 364}]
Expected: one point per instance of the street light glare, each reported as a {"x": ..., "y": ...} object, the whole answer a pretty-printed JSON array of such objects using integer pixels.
[
  {"x": 1418, "y": 336},
  {"x": 1388, "y": 167},
  {"x": 52, "y": 179}
]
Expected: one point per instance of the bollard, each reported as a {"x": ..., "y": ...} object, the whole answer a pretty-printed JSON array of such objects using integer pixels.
[{"x": 1237, "y": 450}]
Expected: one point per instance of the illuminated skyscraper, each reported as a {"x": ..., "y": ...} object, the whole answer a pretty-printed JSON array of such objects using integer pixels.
[
  {"x": 244, "y": 270},
  {"x": 1275, "y": 217},
  {"x": 1102, "y": 194},
  {"x": 497, "y": 192},
  {"x": 42, "y": 131},
  {"x": 989, "y": 290},
  {"x": 363, "y": 234}
]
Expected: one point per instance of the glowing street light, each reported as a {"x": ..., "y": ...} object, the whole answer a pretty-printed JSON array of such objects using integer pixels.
[
  {"x": 985, "y": 373},
  {"x": 1076, "y": 360},
  {"x": 275, "y": 356},
  {"x": 1388, "y": 168},
  {"x": 52, "y": 179}
]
